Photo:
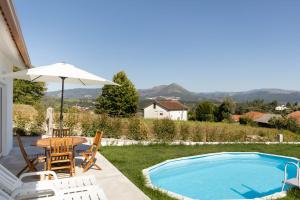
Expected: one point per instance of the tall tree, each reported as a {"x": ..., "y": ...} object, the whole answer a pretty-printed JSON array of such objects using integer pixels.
[
  {"x": 118, "y": 100},
  {"x": 225, "y": 110},
  {"x": 27, "y": 92},
  {"x": 205, "y": 111}
]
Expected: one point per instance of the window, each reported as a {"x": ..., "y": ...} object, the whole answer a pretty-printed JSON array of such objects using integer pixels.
[
  {"x": 161, "y": 113},
  {"x": 154, "y": 106}
]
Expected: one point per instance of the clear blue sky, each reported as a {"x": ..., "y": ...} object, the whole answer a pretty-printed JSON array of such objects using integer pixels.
[{"x": 203, "y": 45}]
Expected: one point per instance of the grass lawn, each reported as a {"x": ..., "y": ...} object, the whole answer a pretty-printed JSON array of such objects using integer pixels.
[{"x": 131, "y": 160}]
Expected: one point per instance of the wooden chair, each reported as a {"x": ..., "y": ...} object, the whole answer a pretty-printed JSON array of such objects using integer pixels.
[
  {"x": 65, "y": 132},
  {"x": 31, "y": 161},
  {"x": 61, "y": 155},
  {"x": 90, "y": 154}
]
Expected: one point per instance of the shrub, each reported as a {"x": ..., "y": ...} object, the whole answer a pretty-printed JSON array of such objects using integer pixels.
[
  {"x": 71, "y": 119},
  {"x": 164, "y": 129},
  {"x": 88, "y": 124},
  {"x": 111, "y": 127},
  {"x": 184, "y": 131},
  {"x": 205, "y": 111},
  {"x": 21, "y": 123},
  {"x": 245, "y": 120},
  {"x": 137, "y": 129},
  {"x": 198, "y": 135},
  {"x": 285, "y": 123},
  {"x": 37, "y": 126}
]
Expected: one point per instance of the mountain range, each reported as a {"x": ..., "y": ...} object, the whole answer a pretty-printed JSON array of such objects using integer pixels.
[{"x": 176, "y": 91}]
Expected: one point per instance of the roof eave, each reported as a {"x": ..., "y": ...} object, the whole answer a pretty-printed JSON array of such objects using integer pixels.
[{"x": 8, "y": 11}]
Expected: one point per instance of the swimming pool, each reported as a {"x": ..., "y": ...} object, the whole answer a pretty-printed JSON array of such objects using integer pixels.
[{"x": 221, "y": 176}]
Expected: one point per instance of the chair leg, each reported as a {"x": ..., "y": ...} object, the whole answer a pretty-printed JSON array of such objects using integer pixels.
[
  {"x": 19, "y": 174},
  {"x": 97, "y": 166},
  {"x": 88, "y": 165}
]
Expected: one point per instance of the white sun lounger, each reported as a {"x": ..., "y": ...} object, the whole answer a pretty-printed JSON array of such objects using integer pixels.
[
  {"x": 16, "y": 188},
  {"x": 295, "y": 181}
]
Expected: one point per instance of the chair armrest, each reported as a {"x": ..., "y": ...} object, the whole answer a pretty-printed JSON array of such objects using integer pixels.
[
  {"x": 52, "y": 173},
  {"x": 32, "y": 193}
]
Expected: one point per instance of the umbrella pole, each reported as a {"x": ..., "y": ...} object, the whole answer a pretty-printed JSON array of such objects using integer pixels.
[{"x": 62, "y": 103}]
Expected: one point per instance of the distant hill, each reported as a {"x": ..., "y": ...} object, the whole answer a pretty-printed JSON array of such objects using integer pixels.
[
  {"x": 78, "y": 93},
  {"x": 176, "y": 91},
  {"x": 172, "y": 90}
]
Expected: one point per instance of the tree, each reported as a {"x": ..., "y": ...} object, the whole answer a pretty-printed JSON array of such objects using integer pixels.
[
  {"x": 225, "y": 110},
  {"x": 205, "y": 111},
  {"x": 27, "y": 92},
  {"x": 118, "y": 100}
]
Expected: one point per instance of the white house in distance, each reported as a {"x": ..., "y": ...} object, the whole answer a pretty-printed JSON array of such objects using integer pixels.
[
  {"x": 170, "y": 109},
  {"x": 281, "y": 108},
  {"x": 13, "y": 52}
]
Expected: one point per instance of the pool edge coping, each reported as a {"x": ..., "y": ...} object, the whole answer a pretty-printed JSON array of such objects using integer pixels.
[{"x": 149, "y": 184}]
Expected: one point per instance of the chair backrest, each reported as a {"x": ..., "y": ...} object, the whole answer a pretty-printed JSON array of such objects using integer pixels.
[
  {"x": 65, "y": 132},
  {"x": 61, "y": 145},
  {"x": 97, "y": 140},
  {"x": 8, "y": 181},
  {"x": 24, "y": 154}
]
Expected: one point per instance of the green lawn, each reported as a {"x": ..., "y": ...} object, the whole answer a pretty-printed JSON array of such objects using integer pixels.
[{"x": 131, "y": 160}]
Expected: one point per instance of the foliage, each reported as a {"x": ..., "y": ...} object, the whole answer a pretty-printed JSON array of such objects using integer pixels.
[
  {"x": 71, "y": 118},
  {"x": 37, "y": 125},
  {"x": 258, "y": 105},
  {"x": 137, "y": 129},
  {"x": 225, "y": 110},
  {"x": 88, "y": 124},
  {"x": 118, "y": 100},
  {"x": 164, "y": 129},
  {"x": 285, "y": 123},
  {"x": 27, "y": 92},
  {"x": 245, "y": 120},
  {"x": 111, "y": 126},
  {"x": 143, "y": 157},
  {"x": 185, "y": 131},
  {"x": 28, "y": 120},
  {"x": 205, "y": 111}
]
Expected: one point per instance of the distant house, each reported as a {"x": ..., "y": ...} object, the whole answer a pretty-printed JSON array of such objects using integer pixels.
[
  {"x": 262, "y": 119},
  {"x": 281, "y": 108},
  {"x": 254, "y": 115},
  {"x": 295, "y": 116},
  {"x": 170, "y": 109}
]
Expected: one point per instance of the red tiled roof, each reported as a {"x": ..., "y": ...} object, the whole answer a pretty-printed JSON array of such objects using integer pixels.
[
  {"x": 171, "y": 105},
  {"x": 295, "y": 116},
  {"x": 236, "y": 118},
  {"x": 254, "y": 115}
]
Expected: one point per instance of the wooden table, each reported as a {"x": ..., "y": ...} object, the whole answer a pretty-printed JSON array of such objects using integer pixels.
[{"x": 45, "y": 142}]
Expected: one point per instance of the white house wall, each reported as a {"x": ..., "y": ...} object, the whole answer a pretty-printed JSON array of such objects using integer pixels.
[
  {"x": 178, "y": 115},
  {"x": 161, "y": 113},
  {"x": 157, "y": 113},
  {"x": 9, "y": 57}
]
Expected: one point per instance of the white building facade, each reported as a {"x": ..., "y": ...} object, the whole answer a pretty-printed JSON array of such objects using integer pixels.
[
  {"x": 166, "y": 109},
  {"x": 12, "y": 53}
]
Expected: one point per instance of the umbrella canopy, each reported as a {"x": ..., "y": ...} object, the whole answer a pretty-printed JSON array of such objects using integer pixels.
[
  {"x": 53, "y": 73},
  {"x": 59, "y": 73}
]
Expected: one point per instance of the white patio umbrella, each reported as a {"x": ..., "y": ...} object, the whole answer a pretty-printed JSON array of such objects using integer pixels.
[{"x": 59, "y": 73}]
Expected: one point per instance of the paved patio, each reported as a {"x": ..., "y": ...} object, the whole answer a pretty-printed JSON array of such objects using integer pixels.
[{"x": 115, "y": 185}]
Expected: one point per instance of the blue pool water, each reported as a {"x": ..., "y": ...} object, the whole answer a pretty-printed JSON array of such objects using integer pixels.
[{"x": 222, "y": 176}]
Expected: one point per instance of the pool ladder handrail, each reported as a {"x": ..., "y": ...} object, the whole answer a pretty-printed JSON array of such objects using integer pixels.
[{"x": 285, "y": 173}]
